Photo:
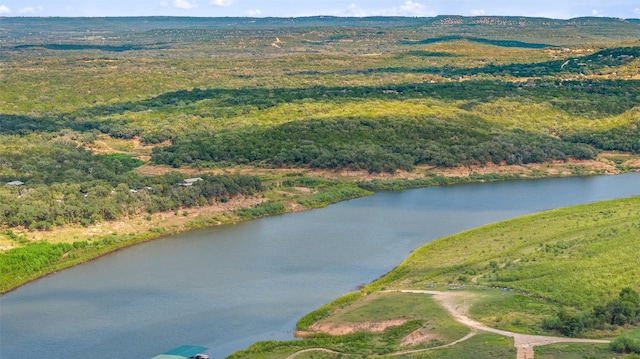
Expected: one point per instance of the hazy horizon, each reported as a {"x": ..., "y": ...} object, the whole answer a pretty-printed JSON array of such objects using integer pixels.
[{"x": 568, "y": 9}]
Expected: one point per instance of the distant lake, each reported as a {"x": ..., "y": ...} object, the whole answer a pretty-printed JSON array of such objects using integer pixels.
[{"x": 227, "y": 287}]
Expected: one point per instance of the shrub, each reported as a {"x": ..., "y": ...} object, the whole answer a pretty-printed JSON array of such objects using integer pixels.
[
  {"x": 625, "y": 345},
  {"x": 261, "y": 210}
]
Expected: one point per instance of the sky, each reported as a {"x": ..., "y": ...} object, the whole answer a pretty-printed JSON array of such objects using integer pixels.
[{"x": 559, "y": 9}]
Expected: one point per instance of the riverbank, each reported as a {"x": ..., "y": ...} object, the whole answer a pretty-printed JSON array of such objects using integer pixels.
[
  {"x": 296, "y": 262},
  {"x": 512, "y": 278},
  {"x": 105, "y": 237}
]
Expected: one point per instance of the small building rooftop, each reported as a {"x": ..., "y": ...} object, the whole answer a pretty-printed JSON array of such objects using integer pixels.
[
  {"x": 15, "y": 183},
  {"x": 181, "y": 352},
  {"x": 190, "y": 181}
]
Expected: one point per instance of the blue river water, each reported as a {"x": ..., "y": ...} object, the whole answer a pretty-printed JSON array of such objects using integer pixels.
[{"x": 227, "y": 287}]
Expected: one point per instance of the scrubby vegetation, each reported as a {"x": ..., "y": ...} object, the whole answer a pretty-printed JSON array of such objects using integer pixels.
[
  {"x": 225, "y": 96},
  {"x": 621, "y": 311},
  {"x": 33, "y": 260},
  {"x": 262, "y": 210},
  {"x": 109, "y": 196},
  {"x": 106, "y": 124},
  {"x": 626, "y": 345},
  {"x": 376, "y": 145}
]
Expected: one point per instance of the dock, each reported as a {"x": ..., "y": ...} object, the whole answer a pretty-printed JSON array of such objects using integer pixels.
[{"x": 184, "y": 352}]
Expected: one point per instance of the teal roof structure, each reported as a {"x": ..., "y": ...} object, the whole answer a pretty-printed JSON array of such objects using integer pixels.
[{"x": 182, "y": 352}]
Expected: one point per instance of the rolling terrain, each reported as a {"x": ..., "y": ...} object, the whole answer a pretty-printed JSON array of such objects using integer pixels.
[{"x": 103, "y": 119}]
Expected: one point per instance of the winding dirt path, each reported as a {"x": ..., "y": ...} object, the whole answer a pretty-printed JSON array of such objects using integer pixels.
[
  {"x": 458, "y": 303},
  {"x": 311, "y": 350}
]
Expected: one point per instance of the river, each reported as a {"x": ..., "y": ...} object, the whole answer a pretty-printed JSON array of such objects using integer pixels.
[{"x": 227, "y": 287}]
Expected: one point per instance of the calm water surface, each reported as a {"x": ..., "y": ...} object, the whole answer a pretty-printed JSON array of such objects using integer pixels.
[{"x": 227, "y": 287}]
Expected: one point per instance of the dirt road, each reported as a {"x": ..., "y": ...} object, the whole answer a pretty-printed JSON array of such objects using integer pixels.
[{"x": 457, "y": 303}]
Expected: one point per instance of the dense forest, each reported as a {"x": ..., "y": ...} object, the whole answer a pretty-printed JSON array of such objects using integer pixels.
[{"x": 375, "y": 145}]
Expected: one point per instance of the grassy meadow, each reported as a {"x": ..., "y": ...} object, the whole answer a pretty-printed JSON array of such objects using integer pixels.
[{"x": 575, "y": 256}]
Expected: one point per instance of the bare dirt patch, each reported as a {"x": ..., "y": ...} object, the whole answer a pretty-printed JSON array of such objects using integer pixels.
[
  {"x": 601, "y": 165},
  {"x": 6, "y": 244},
  {"x": 158, "y": 170},
  {"x": 466, "y": 171},
  {"x": 349, "y": 328},
  {"x": 303, "y": 189},
  {"x": 557, "y": 168},
  {"x": 133, "y": 147},
  {"x": 420, "y": 336},
  {"x": 633, "y": 164}
]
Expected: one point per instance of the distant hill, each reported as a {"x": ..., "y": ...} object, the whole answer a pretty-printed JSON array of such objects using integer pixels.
[
  {"x": 554, "y": 31},
  {"x": 521, "y": 20}
]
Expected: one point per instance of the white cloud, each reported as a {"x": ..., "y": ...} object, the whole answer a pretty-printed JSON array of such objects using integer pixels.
[
  {"x": 479, "y": 12},
  {"x": 409, "y": 8},
  {"x": 184, "y": 4},
  {"x": 164, "y": 4},
  {"x": 636, "y": 10},
  {"x": 31, "y": 10},
  {"x": 254, "y": 12},
  {"x": 4, "y": 9},
  {"x": 413, "y": 7},
  {"x": 221, "y": 2},
  {"x": 595, "y": 12},
  {"x": 354, "y": 11}
]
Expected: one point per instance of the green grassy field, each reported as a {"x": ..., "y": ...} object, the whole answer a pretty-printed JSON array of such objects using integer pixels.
[
  {"x": 574, "y": 351},
  {"x": 482, "y": 346},
  {"x": 572, "y": 256}
]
